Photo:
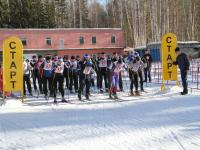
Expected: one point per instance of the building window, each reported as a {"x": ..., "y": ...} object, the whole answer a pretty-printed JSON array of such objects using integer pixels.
[
  {"x": 62, "y": 44},
  {"x": 94, "y": 40},
  {"x": 81, "y": 40},
  {"x": 24, "y": 41},
  {"x": 48, "y": 41},
  {"x": 113, "y": 40}
]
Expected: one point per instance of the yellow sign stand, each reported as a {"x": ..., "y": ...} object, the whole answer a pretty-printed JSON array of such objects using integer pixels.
[
  {"x": 13, "y": 65},
  {"x": 169, "y": 71}
]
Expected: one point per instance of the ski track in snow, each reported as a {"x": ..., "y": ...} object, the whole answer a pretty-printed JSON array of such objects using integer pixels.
[{"x": 153, "y": 121}]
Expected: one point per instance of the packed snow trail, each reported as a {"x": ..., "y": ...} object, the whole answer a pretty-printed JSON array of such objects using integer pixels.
[{"x": 154, "y": 121}]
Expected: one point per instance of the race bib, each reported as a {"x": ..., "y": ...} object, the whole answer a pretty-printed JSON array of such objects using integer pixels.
[
  {"x": 87, "y": 70},
  {"x": 25, "y": 66},
  {"x": 59, "y": 69},
  {"x": 103, "y": 63},
  {"x": 48, "y": 66},
  {"x": 116, "y": 70}
]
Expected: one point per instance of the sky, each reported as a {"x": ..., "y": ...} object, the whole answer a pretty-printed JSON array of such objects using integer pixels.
[{"x": 103, "y": 2}]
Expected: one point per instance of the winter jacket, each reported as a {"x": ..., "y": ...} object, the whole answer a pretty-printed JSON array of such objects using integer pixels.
[
  {"x": 147, "y": 59},
  {"x": 182, "y": 62}
]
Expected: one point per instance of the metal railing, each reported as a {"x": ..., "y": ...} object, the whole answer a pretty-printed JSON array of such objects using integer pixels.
[{"x": 193, "y": 75}]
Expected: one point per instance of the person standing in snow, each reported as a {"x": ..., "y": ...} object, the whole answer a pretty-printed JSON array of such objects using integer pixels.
[
  {"x": 36, "y": 72},
  {"x": 110, "y": 62},
  {"x": 27, "y": 81},
  {"x": 73, "y": 75},
  {"x": 103, "y": 64},
  {"x": 147, "y": 69},
  {"x": 140, "y": 70},
  {"x": 114, "y": 78},
  {"x": 85, "y": 75},
  {"x": 47, "y": 67},
  {"x": 66, "y": 70},
  {"x": 134, "y": 66},
  {"x": 58, "y": 78},
  {"x": 117, "y": 57},
  {"x": 184, "y": 65}
]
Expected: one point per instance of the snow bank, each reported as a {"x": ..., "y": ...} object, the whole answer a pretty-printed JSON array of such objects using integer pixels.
[{"x": 154, "y": 121}]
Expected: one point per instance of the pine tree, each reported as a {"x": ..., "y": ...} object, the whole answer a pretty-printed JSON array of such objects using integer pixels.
[
  {"x": 82, "y": 20},
  {"x": 15, "y": 14},
  {"x": 61, "y": 13},
  {"x": 25, "y": 13},
  {"x": 4, "y": 17},
  {"x": 39, "y": 17},
  {"x": 43, "y": 16},
  {"x": 50, "y": 8},
  {"x": 34, "y": 11}
]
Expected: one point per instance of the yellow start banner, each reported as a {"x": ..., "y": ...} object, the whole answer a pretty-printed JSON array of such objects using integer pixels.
[
  {"x": 12, "y": 64},
  {"x": 169, "y": 71}
]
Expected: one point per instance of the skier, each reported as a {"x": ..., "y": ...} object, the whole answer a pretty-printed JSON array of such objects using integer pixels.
[
  {"x": 114, "y": 78},
  {"x": 96, "y": 68},
  {"x": 134, "y": 66},
  {"x": 66, "y": 70},
  {"x": 147, "y": 70},
  {"x": 36, "y": 72},
  {"x": 86, "y": 71},
  {"x": 73, "y": 75},
  {"x": 110, "y": 62},
  {"x": 103, "y": 64},
  {"x": 120, "y": 74},
  {"x": 140, "y": 70},
  {"x": 79, "y": 60},
  {"x": 58, "y": 78},
  {"x": 47, "y": 67},
  {"x": 27, "y": 81},
  {"x": 184, "y": 65}
]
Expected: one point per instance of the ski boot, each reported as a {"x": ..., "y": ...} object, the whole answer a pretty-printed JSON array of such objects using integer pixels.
[
  {"x": 46, "y": 97},
  {"x": 24, "y": 96},
  {"x": 137, "y": 93},
  {"x": 185, "y": 92},
  {"x": 87, "y": 97},
  {"x": 110, "y": 95},
  {"x": 31, "y": 94},
  {"x": 79, "y": 97},
  {"x": 131, "y": 93},
  {"x": 64, "y": 100},
  {"x": 142, "y": 90},
  {"x": 115, "y": 96},
  {"x": 71, "y": 92},
  {"x": 101, "y": 91},
  {"x": 55, "y": 101}
]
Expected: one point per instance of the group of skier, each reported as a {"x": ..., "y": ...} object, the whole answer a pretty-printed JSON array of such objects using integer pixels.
[{"x": 78, "y": 74}]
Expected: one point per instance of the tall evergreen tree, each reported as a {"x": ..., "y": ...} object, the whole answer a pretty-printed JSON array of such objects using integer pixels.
[
  {"x": 15, "y": 14},
  {"x": 4, "y": 17},
  {"x": 50, "y": 9},
  {"x": 25, "y": 13},
  {"x": 82, "y": 20},
  {"x": 43, "y": 16},
  {"x": 61, "y": 13}
]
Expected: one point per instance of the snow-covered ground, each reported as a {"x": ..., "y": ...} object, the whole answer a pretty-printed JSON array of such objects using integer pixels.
[{"x": 154, "y": 121}]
